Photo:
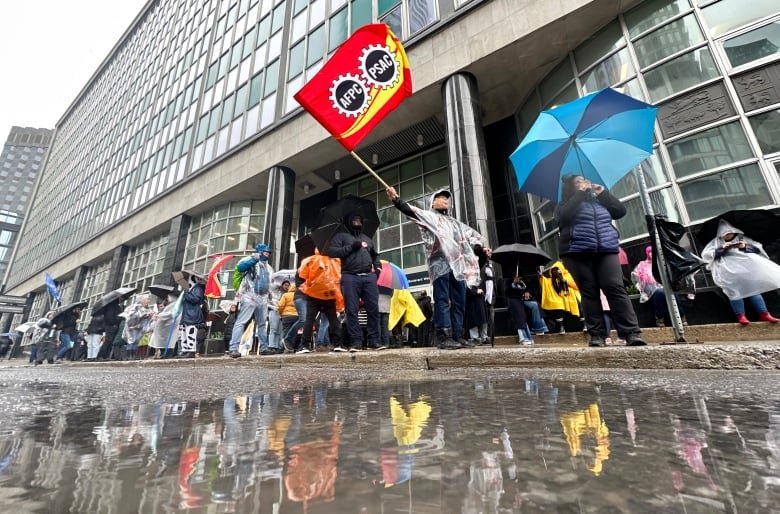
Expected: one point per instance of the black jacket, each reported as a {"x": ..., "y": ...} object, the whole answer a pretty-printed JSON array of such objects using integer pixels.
[
  {"x": 363, "y": 260},
  {"x": 111, "y": 317},
  {"x": 68, "y": 323},
  {"x": 192, "y": 310},
  {"x": 96, "y": 324}
]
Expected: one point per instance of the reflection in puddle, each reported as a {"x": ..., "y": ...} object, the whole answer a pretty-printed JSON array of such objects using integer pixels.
[{"x": 473, "y": 446}]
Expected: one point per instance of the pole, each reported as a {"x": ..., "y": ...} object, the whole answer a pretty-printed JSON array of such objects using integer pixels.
[
  {"x": 671, "y": 301},
  {"x": 369, "y": 169}
]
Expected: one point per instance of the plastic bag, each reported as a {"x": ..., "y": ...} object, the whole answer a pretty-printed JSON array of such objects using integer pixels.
[{"x": 680, "y": 262}]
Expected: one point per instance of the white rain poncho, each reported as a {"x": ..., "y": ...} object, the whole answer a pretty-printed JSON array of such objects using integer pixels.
[
  {"x": 164, "y": 328},
  {"x": 740, "y": 274},
  {"x": 449, "y": 246}
]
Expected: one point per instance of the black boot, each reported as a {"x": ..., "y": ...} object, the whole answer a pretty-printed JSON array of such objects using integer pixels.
[{"x": 445, "y": 341}]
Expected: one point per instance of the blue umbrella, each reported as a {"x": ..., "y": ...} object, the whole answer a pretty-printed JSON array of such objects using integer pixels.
[{"x": 601, "y": 136}]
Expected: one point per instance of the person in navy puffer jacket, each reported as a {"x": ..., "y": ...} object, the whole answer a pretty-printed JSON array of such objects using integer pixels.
[{"x": 588, "y": 247}]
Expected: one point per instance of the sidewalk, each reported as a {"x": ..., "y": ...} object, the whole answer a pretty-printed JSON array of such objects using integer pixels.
[{"x": 731, "y": 346}]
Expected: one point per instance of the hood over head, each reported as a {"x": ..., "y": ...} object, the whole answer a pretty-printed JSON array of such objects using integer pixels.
[
  {"x": 441, "y": 192},
  {"x": 349, "y": 222},
  {"x": 724, "y": 227}
]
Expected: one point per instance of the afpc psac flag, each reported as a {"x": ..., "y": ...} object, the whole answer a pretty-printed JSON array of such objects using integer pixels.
[{"x": 366, "y": 78}]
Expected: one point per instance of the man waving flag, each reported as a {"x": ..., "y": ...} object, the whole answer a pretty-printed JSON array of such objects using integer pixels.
[{"x": 366, "y": 78}]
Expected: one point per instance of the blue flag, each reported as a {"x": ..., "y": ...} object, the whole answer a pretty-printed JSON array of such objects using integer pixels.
[{"x": 52, "y": 287}]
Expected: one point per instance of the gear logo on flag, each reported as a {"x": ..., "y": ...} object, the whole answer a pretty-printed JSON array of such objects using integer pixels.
[
  {"x": 349, "y": 95},
  {"x": 379, "y": 66}
]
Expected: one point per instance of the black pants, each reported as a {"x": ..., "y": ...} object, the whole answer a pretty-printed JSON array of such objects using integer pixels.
[
  {"x": 313, "y": 307},
  {"x": 356, "y": 288},
  {"x": 601, "y": 271},
  {"x": 107, "y": 346}
]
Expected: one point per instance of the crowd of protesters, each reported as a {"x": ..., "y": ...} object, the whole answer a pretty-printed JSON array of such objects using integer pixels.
[{"x": 335, "y": 303}]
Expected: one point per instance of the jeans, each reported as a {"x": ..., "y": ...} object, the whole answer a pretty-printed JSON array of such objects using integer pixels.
[
  {"x": 356, "y": 288},
  {"x": 300, "y": 308},
  {"x": 449, "y": 304},
  {"x": 66, "y": 343},
  {"x": 756, "y": 302},
  {"x": 274, "y": 329},
  {"x": 659, "y": 304},
  {"x": 323, "y": 338},
  {"x": 245, "y": 313},
  {"x": 33, "y": 353},
  {"x": 538, "y": 326}
]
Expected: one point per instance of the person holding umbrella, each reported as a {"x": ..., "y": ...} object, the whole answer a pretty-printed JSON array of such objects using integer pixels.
[
  {"x": 111, "y": 322},
  {"x": 588, "y": 246},
  {"x": 253, "y": 296},
  {"x": 741, "y": 267},
  {"x": 453, "y": 249},
  {"x": 360, "y": 268}
]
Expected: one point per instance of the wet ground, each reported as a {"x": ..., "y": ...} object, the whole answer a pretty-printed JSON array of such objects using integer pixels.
[{"x": 240, "y": 439}]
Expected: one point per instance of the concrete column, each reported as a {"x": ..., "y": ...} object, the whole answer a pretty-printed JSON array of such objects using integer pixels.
[
  {"x": 116, "y": 268},
  {"x": 78, "y": 285},
  {"x": 469, "y": 174},
  {"x": 174, "y": 252},
  {"x": 277, "y": 227}
]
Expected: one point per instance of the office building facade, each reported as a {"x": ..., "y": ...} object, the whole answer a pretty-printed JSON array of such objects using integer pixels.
[
  {"x": 20, "y": 162},
  {"x": 187, "y": 143}
]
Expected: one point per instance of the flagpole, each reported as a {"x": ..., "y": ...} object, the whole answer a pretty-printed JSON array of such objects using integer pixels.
[{"x": 367, "y": 167}]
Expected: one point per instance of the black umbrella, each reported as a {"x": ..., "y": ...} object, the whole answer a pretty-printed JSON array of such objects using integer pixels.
[
  {"x": 61, "y": 311},
  {"x": 305, "y": 246},
  {"x": 519, "y": 255},
  {"x": 331, "y": 220},
  {"x": 117, "y": 295},
  {"x": 160, "y": 290},
  {"x": 759, "y": 225}
]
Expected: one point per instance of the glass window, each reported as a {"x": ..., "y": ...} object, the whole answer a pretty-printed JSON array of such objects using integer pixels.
[
  {"x": 709, "y": 149},
  {"x": 296, "y": 60},
  {"x": 338, "y": 30},
  {"x": 389, "y": 237},
  {"x": 767, "y": 128},
  {"x": 414, "y": 256},
  {"x": 546, "y": 217},
  {"x": 555, "y": 81},
  {"x": 667, "y": 40},
  {"x": 616, "y": 68},
  {"x": 421, "y": 14},
  {"x": 241, "y": 100},
  {"x": 255, "y": 89},
  {"x": 655, "y": 175},
  {"x": 650, "y": 14},
  {"x": 385, "y": 5},
  {"x": 227, "y": 109},
  {"x": 740, "y": 188},
  {"x": 394, "y": 20},
  {"x": 727, "y": 15},
  {"x": 632, "y": 89},
  {"x": 316, "y": 13},
  {"x": 316, "y": 48},
  {"x": 361, "y": 14},
  {"x": 610, "y": 38},
  {"x": 681, "y": 73},
  {"x": 634, "y": 224},
  {"x": 249, "y": 41},
  {"x": 278, "y": 18},
  {"x": 271, "y": 78},
  {"x": 298, "y": 27},
  {"x": 754, "y": 45},
  {"x": 263, "y": 30}
]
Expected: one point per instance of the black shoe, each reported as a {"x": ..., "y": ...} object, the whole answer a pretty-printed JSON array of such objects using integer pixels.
[
  {"x": 470, "y": 343},
  {"x": 50, "y": 361},
  {"x": 449, "y": 344},
  {"x": 38, "y": 363},
  {"x": 597, "y": 341},
  {"x": 235, "y": 355},
  {"x": 635, "y": 340}
]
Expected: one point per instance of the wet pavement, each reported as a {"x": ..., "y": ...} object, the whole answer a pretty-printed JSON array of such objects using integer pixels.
[{"x": 182, "y": 438}]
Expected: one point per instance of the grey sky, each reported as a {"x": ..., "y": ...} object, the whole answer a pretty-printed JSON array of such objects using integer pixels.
[{"x": 49, "y": 49}]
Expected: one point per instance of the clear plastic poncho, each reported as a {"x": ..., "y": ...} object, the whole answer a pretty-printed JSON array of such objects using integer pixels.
[
  {"x": 448, "y": 245},
  {"x": 740, "y": 274}
]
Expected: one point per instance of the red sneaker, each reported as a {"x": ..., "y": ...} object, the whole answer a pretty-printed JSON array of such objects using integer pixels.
[
  {"x": 742, "y": 320},
  {"x": 765, "y": 316}
]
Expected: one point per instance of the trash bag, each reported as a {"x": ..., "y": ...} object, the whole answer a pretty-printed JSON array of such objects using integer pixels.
[{"x": 681, "y": 263}]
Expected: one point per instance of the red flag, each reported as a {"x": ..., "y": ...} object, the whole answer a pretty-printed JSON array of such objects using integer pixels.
[
  {"x": 213, "y": 286},
  {"x": 366, "y": 78}
]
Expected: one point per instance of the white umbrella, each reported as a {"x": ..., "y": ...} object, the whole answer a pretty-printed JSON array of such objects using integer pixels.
[
  {"x": 25, "y": 327},
  {"x": 225, "y": 305}
]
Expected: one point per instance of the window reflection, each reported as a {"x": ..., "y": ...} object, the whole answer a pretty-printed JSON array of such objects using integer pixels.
[
  {"x": 681, "y": 73},
  {"x": 709, "y": 149},
  {"x": 754, "y": 45},
  {"x": 633, "y": 223},
  {"x": 740, "y": 188}
]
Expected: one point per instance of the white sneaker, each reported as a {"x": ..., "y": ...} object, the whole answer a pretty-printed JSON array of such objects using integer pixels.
[
  {"x": 303, "y": 350},
  {"x": 338, "y": 349},
  {"x": 527, "y": 342}
]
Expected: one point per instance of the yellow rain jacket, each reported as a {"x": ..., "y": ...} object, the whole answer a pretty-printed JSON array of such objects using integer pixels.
[
  {"x": 554, "y": 301},
  {"x": 587, "y": 422},
  {"x": 404, "y": 308},
  {"x": 407, "y": 427}
]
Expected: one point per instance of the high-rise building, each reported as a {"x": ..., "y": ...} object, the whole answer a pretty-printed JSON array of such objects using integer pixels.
[
  {"x": 20, "y": 163},
  {"x": 187, "y": 142}
]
